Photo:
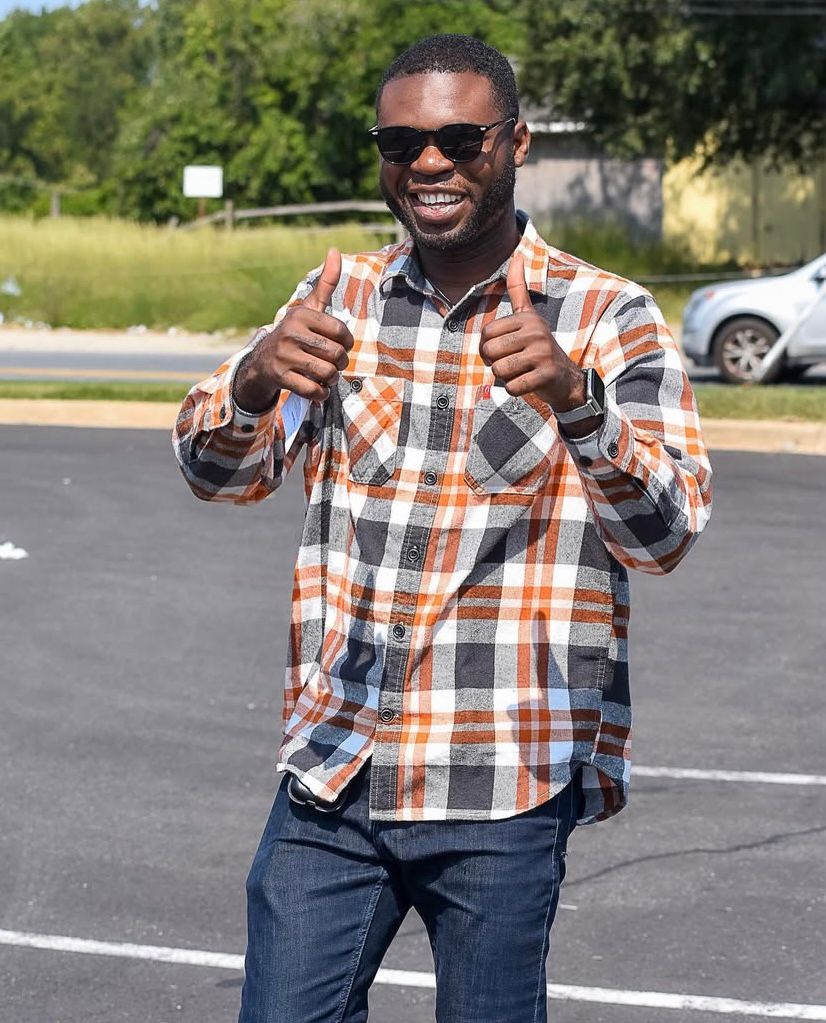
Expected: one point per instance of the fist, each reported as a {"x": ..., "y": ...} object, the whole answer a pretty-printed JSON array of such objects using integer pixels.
[
  {"x": 306, "y": 351},
  {"x": 523, "y": 353}
]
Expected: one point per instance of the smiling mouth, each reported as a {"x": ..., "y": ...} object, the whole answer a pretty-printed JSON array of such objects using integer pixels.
[{"x": 435, "y": 207}]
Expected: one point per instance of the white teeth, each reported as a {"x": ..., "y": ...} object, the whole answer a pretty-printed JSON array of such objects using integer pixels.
[{"x": 434, "y": 198}]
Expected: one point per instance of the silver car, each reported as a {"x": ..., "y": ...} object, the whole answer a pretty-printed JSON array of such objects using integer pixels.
[{"x": 733, "y": 325}]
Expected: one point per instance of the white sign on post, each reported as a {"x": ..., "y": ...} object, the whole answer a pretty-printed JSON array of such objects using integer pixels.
[{"x": 203, "y": 182}]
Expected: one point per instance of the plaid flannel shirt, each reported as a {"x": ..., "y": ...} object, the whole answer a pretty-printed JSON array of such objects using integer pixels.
[{"x": 460, "y": 600}]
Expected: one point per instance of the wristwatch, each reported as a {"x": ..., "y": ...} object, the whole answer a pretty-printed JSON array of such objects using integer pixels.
[{"x": 594, "y": 401}]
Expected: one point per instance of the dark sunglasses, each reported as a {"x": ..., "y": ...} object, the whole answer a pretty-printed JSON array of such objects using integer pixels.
[{"x": 459, "y": 143}]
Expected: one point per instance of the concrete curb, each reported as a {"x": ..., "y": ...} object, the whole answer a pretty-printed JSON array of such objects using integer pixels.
[
  {"x": 133, "y": 415},
  {"x": 720, "y": 434},
  {"x": 765, "y": 435}
]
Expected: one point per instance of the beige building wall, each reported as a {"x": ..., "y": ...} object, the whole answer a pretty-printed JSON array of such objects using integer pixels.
[{"x": 752, "y": 215}]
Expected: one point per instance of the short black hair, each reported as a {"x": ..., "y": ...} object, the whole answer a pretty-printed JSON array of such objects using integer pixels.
[{"x": 453, "y": 53}]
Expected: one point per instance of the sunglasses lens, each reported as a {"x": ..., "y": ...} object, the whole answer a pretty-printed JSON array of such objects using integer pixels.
[
  {"x": 460, "y": 142},
  {"x": 400, "y": 145}
]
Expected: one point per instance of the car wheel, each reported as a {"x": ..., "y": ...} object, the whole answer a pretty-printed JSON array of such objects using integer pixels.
[{"x": 740, "y": 347}]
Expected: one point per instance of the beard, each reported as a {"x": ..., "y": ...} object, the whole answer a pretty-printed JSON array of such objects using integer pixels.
[{"x": 483, "y": 217}]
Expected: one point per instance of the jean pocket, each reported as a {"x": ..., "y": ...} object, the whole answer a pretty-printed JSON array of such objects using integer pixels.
[
  {"x": 512, "y": 445},
  {"x": 372, "y": 408}
]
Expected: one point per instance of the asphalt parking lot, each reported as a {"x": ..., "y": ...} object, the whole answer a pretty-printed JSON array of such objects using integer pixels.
[{"x": 143, "y": 641}]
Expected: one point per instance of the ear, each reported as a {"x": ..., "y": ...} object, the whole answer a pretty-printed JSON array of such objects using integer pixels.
[{"x": 521, "y": 143}]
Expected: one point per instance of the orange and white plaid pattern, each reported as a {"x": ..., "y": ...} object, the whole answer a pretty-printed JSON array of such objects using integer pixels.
[{"x": 460, "y": 601}]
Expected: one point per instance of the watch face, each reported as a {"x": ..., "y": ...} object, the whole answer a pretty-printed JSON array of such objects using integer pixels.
[{"x": 596, "y": 388}]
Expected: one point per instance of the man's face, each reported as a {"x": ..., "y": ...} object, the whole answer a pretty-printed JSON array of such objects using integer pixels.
[{"x": 480, "y": 191}]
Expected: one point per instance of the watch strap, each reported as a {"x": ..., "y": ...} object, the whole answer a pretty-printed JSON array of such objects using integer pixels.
[{"x": 594, "y": 401}]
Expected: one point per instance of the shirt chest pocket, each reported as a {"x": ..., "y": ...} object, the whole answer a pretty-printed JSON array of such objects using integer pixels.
[
  {"x": 372, "y": 408},
  {"x": 512, "y": 446}
]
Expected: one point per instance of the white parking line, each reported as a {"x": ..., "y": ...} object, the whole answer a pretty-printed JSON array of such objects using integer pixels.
[
  {"x": 411, "y": 978},
  {"x": 758, "y": 777},
  {"x": 123, "y": 950},
  {"x": 697, "y": 1003}
]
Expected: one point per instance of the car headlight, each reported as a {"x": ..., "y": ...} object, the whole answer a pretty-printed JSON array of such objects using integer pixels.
[{"x": 698, "y": 299}]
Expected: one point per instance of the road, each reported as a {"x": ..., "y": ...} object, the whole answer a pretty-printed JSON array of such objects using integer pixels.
[
  {"x": 110, "y": 355},
  {"x": 47, "y": 365},
  {"x": 72, "y": 355},
  {"x": 143, "y": 642}
]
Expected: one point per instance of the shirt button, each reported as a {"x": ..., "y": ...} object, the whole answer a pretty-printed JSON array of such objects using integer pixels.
[
  {"x": 430, "y": 478},
  {"x": 442, "y": 401},
  {"x": 613, "y": 450},
  {"x": 453, "y": 326},
  {"x": 355, "y": 385},
  {"x": 413, "y": 554},
  {"x": 586, "y": 461},
  {"x": 223, "y": 411},
  {"x": 398, "y": 631},
  {"x": 386, "y": 714},
  {"x": 247, "y": 428}
]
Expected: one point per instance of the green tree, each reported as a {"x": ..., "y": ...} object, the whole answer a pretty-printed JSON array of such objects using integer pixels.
[
  {"x": 279, "y": 92},
  {"x": 672, "y": 76},
  {"x": 116, "y": 96},
  {"x": 65, "y": 78}
]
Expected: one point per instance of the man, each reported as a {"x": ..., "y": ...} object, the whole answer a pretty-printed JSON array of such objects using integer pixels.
[{"x": 493, "y": 432}]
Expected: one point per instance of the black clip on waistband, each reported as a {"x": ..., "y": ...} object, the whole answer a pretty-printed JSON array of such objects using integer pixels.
[{"x": 300, "y": 793}]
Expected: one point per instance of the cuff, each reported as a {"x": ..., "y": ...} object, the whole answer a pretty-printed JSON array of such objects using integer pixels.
[
  {"x": 245, "y": 421},
  {"x": 250, "y": 422},
  {"x": 219, "y": 411},
  {"x": 609, "y": 449}
]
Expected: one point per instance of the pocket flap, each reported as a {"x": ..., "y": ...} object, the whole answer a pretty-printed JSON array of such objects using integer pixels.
[
  {"x": 372, "y": 411},
  {"x": 511, "y": 445}
]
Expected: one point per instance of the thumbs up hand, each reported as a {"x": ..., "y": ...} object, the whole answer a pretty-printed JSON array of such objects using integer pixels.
[
  {"x": 522, "y": 351},
  {"x": 305, "y": 353},
  {"x": 322, "y": 294}
]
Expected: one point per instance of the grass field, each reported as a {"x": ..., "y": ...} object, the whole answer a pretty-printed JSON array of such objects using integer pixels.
[
  {"x": 94, "y": 272},
  {"x": 793, "y": 402},
  {"x": 716, "y": 401},
  {"x": 60, "y": 390}
]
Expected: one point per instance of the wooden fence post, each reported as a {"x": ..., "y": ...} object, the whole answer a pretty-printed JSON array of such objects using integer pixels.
[
  {"x": 54, "y": 204},
  {"x": 229, "y": 215}
]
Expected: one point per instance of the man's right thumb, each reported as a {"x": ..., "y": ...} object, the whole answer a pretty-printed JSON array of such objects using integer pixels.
[{"x": 322, "y": 294}]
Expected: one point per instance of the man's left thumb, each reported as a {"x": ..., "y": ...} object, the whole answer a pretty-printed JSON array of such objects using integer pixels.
[{"x": 517, "y": 285}]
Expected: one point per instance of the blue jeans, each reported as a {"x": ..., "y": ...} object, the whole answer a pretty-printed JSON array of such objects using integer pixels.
[{"x": 327, "y": 893}]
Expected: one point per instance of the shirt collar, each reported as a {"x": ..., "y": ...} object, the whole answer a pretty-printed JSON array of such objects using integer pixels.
[
  {"x": 533, "y": 249},
  {"x": 404, "y": 264}
]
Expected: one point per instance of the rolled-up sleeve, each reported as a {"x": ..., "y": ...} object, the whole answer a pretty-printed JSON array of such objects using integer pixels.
[{"x": 646, "y": 472}]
